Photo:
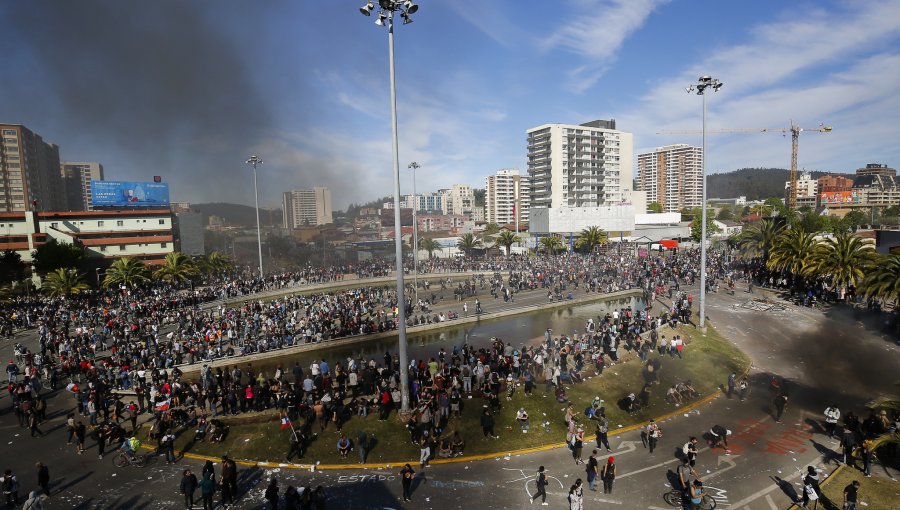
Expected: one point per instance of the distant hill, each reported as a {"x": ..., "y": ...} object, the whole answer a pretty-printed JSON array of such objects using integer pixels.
[
  {"x": 238, "y": 214},
  {"x": 754, "y": 183}
]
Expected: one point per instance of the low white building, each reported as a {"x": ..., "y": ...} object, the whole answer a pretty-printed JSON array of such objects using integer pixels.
[{"x": 615, "y": 219}]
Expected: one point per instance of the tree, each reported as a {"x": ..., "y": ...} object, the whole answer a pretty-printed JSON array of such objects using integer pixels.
[
  {"x": 761, "y": 209},
  {"x": 214, "y": 263},
  {"x": 127, "y": 271},
  {"x": 813, "y": 222},
  {"x": 178, "y": 267},
  {"x": 506, "y": 239},
  {"x": 725, "y": 214},
  {"x": 491, "y": 229},
  {"x": 883, "y": 280},
  {"x": 591, "y": 237},
  {"x": 64, "y": 282},
  {"x": 854, "y": 219},
  {"x": 468, "y": 243},
  {"x": 654, "y": 207},
  {"x": 697, "y": 228},
  {"x": 793, "y": 251},
  {"x": 758, "y": 240},
  {"x": 776, "y": 205},
  {"x": 54, "y": 255},
  {"x": 551, "y": 244},
  {"x": 12, "y": 269},
  {"x": 843, "y": 258},
  {"x": 430, "y": 245}
]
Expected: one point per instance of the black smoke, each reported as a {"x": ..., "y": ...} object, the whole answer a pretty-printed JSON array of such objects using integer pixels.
[{"x": 163, "y": 83}]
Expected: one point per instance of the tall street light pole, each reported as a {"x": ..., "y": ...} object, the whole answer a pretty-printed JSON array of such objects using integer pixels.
[
  {"x": 415, "y": 166},
  {"x": 386, "y": 17},
  {"x": 704, "y": 83},
  {"x": 256, "y": 160}
]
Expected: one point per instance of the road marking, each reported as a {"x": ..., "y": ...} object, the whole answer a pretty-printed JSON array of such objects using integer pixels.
[
  {"x": 648, "y": 468},
  {"x": 764, "y": 492},
  {"x": 771, "y": 503},
  {"x": 608, "y": 501},
  {"x": 728, "y": 460}
]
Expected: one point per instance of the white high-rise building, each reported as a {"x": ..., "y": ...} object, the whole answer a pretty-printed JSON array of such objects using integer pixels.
[
  {"x": 506, "y": 194},
  {"x": 579, "y": 165},
  {"x": 306, "y": 207},
  {"x": 461, "y": 200},
  {"x": 672, "y": 176}
]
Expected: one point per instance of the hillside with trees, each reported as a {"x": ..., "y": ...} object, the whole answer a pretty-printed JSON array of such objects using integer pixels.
[{"x": 754, "y": 183}]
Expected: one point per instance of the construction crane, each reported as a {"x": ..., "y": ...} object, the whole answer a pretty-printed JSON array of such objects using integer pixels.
[{"x": 794, "y": 130}]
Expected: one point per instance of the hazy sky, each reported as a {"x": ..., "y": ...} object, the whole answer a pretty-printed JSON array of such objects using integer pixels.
[{"x": 189, "y": 90}]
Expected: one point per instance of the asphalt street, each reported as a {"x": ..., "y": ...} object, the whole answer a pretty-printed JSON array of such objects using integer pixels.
[{"x": 835, "y": 356}]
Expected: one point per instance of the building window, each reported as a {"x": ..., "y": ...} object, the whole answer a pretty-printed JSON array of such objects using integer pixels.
[
  {"x": 162, "y": 222},
  {"x": 100, "y": 223},
  {"x": 103, "y": 248},
  {"x": 54, "y": 225},
  {"x": 163, "y": 245},
  {"x": 121, "y": 247},
  {"x": 120, "y": 223}
]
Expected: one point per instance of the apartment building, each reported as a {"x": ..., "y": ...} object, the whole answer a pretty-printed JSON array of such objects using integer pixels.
[
  {"x": 672, "y": 176},
  {"x": 29, "y": 172},
  {"x": 584, "y": 165},
  {"x": 306, "y": 207},
  {"x": 144, "y": 234},
  {"x": 506, "y": 196},
  {"x": 77, "y": 179}
]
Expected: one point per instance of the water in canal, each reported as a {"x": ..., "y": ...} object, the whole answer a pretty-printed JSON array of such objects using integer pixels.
[{"x": 518, "y": 329}]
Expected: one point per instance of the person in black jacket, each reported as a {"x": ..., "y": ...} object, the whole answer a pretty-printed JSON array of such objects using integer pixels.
[
  {"x": 188, "y": 487},
  {"x": 541, "y": 484},
  {"x": 43, "y": 476},
  {"x": 272, "y": 494}
]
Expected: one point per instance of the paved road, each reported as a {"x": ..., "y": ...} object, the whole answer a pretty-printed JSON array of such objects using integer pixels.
[{"x": 830, "y": 356}]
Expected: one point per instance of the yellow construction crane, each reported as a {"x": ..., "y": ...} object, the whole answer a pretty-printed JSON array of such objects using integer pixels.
[{"x": 794, "y": 130}]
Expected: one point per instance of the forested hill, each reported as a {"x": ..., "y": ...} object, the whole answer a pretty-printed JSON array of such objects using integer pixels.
[
  {"x": 754, "y": 183},
  {"x": 238, "y": 214}
]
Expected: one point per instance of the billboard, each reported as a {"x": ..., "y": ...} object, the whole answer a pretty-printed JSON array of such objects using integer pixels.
[
  {"x": 129, "y": 194},
  {"x": 840, "y": 197}
]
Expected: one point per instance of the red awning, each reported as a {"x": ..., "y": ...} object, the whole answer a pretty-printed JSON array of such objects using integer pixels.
[{"x": 669, "y": 244}]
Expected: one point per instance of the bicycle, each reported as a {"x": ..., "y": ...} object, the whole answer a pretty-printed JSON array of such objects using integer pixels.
[
  {"x": 121, "y": 459},
  {"x": 675, "y": 498}
]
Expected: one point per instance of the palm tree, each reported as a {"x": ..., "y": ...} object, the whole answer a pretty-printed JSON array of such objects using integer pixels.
[
  {"x": 64, "y": 282},
  {"x": 127, "y": 271},
  {"x": 551, "y": 244},
  {"x": 792, "y": 251},
  {"x": 891, "y": 404},
  {"x": 430, "y": 245},
  {"x": 178, "y": 267},
  {"x": 590, "y": 237},
  {"x": 759, "y": 239},
  {"x": 761, "y": 209},
  {"x": 507, "y": 239},
  {"x": 468, "y": 243},
  {"x": 844, "y": 258},
  {"x": 883, "y": 280},
  {"x": 214, "y": 263}
]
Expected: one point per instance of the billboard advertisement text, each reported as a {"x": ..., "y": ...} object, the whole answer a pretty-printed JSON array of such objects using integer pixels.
[
  {"x": 841, "y": 197},
  {"x": 129, "y": 194}
]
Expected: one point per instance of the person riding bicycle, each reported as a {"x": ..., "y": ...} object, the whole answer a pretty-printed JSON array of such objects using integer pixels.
[
  {"x": 696, "y": 494},
  {"x": 130, "y": 446}
]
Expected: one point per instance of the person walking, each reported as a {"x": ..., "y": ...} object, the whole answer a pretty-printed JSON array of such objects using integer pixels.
[
  {"x": 272, "y": 494},
  {"x": 33, "y": 423},
  {"x": 609, "y": 474},
  {"x": 188, "y": 487},
  {"x": 362, "y": 446},
  {"x": 732, "y": 384},
  {"x": 10, "y": 485},
  {"x": 541, "y": 482},
  {"x": 229, "y": 481},
  {"x": 578, "y": 445},
  {"x": 207, "y": 491},
  {"x": 406, "y": 477},
  {"x": 851, "y": 493},
  {"x": 696, "y": 495},
  {"x": 690, "y": 451},
  {"x": 424, "y": 450},
  {"x": 593, "y": 470},
  {"x": 80, "y": 432},
  {"x": 810, "y": 487},
  {"x": 653, "y": 435},
  {"x": 868, "y": 456},
  {"x": 780, "y": 403},
  {"x": 43, "y": 478},
  {"x": 743, "y": 387}
]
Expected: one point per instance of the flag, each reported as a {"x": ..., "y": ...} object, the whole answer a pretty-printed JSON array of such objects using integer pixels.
[
  {"x": 285, "y": 422},
  {"x": 163, "y": 406}
]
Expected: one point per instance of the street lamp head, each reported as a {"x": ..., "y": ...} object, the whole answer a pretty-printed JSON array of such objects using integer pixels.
[
  {"x": 255, "y": 160},
  {"x": 689, "y": 89},
  {"x": 410, "y": 7},
  {"x": 704, "y": 79},
  {"x": 367, "y": 9},
  {"x": 717, "y": 85},
  {"x": 414, "y": 165},
  {"x": 406, "y": 19},
  {"x": 381, "y": 18}
]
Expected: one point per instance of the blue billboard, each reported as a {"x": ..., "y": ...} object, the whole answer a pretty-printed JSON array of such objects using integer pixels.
[{"x": 129, "y": 194}]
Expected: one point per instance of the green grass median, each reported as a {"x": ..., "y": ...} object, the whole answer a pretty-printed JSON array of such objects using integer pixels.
[{"x": 708, "y": 360}]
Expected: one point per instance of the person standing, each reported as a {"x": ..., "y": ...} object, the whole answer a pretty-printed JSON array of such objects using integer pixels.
[
  {"x": 593, "y": 470},
  {"x": 653, "y": 435},
  {"x": 207, "y": 491},
  {"x": 80, "y": 432},
  {"x": 576, "y": 496},
  {"x": 272, "y": 494},
  {"x": 578, "y": 445},
  {"x": 424, "y": 450},
  {"x": 609, "y": 474},
  {"x": 832, "y": 415},
  {"x": 167, "y": 443},
  {"x": 732, "y": 384},
  {"x": 602, "y": 429},
  {"x": 100, "y": 434},
  {"x": 743, "y": 387},
  {"x": 696, "y": 495},
  {"x": 362, "y": 446},
  {"x": 43, "y": 478},
  {"x": 690, "y": 451},
  {"x": 188, "y": 487},
  {"x": 406, "y": 477},
  {"x": 487, "y": 424},
  {"x": 229, "y": 481},
  {"x": 10, "y": 485},
  {"x": 867, "y": 457},
  {"x": 34, "y": 501},
  {"x": 810, "y": 487},
  {"x": 851, "y": 493}
]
